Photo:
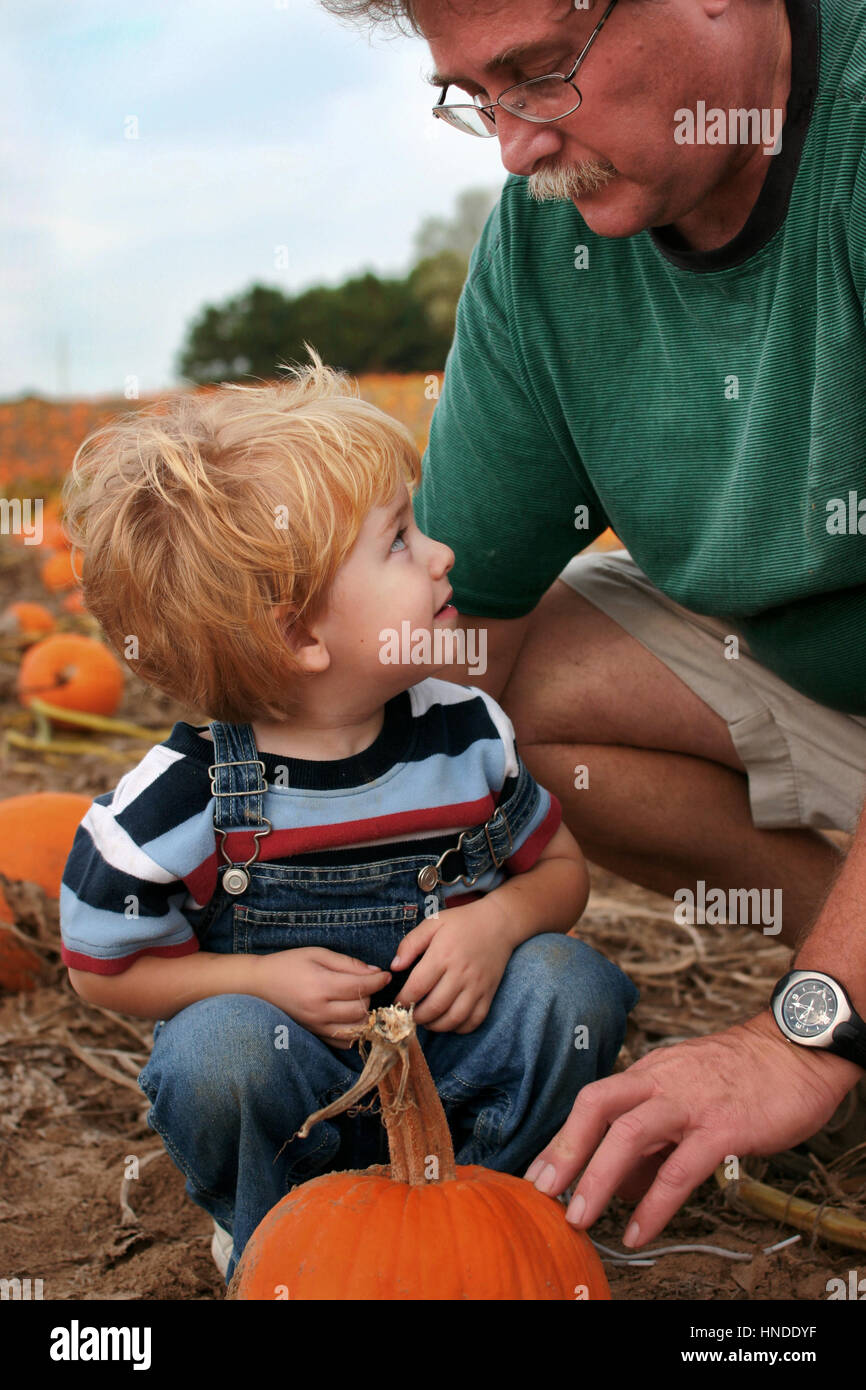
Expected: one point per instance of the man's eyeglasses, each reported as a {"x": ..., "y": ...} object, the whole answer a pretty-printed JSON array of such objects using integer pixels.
[{"x": 540, "y": 99}]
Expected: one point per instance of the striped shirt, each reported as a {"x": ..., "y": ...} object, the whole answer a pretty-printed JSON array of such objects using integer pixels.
[{"x": 146, "y": 854}]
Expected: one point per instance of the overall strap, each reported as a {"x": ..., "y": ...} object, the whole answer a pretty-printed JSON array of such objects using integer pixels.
[
  {"x": 489, "y": 845},
  {"x": 238, "y": 783},
  {"x": 493, "y": 842}
]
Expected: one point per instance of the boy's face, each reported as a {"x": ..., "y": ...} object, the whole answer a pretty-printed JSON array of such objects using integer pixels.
[{"x": 389, "y": 597}]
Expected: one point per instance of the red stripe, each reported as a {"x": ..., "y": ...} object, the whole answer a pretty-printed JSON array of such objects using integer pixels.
[
  {"x": 97, "y": 966},
  {"x": 529, "y": 851},
  {"x": 280, "y": 844}
]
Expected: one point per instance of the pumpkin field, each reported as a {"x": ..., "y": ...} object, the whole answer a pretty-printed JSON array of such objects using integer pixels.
[{"x": 90, "y": 1203}]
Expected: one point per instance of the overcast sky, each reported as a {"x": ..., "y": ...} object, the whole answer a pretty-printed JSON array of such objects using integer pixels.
[{"x": 260, "y": 124}]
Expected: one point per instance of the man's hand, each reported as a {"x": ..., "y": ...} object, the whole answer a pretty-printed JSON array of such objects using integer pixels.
[
  {"x": 466, "y": 950},
  {"x": 673, "y": 1116}
]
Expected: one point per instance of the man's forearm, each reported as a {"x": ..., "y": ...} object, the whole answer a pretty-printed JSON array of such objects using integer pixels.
[{"x": 836, "y": 944}]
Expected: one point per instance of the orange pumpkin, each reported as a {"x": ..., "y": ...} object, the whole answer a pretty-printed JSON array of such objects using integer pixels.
[
  {"x": 420, "y": 1227},
  {"x": 74, "y": 671},
  {"x": 53, "y": 535},
  {"x": 20, "y": 967},
  {"x": 608, "y": 540},
  {"x": 57, "y": 573},
  {"x": 36, "y": 834},
  {"x": 74, "y": 602},
  {"x": 27, "y": 620}
]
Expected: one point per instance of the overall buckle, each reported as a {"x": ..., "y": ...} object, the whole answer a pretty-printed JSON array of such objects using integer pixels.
[
  {"x": 431, "y": 874},
  {"x": 235, "y": 879}
]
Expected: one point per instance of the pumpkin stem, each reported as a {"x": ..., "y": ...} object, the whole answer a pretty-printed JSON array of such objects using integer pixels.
[{"x": 419, "y": 1140}]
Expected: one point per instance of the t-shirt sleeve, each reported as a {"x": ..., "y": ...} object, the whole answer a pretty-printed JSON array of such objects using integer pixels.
[
  {"x": 501, "y": 483},
  {"x": 544, "y": 811},
  {"x": 118, "y": 901}
]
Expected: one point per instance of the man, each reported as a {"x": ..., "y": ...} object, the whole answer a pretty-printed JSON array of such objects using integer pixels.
[{"x": 663, "y": 330}]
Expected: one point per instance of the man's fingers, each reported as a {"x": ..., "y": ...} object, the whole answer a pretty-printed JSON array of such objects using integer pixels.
[
  {"x": 633, "y": 1136},
  {"x": 596, "y": 1106},
  {"x": 689, "y": 1164},
  {"x": 639, "y": 1181}
]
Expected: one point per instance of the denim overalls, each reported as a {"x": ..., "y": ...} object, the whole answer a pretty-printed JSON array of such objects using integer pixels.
[{"x": 232, "y": 1077}]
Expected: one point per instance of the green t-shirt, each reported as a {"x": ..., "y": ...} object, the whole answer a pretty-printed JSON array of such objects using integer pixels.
[{"x": 709, "y": 406}]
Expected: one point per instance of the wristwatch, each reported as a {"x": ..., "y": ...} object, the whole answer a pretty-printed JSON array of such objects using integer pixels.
[{"x": 813, "y": 1009}]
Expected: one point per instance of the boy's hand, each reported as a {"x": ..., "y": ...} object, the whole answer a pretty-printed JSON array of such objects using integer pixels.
[
  {"x": 465, "y": 955},
  {"x": 325, "y": 991}
]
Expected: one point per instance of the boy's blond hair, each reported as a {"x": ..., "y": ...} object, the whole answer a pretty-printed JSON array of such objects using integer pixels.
[{"x": 198, "y": 519}]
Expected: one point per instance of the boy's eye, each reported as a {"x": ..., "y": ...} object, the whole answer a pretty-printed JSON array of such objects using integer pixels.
[{"x": 399, "y": 537}]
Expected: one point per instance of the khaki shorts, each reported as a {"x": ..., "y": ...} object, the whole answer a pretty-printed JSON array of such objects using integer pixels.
[{"x": 806, "y": 764}]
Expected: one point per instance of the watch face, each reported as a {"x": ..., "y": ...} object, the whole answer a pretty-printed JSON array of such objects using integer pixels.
[{"x": 809, "y": 1008}]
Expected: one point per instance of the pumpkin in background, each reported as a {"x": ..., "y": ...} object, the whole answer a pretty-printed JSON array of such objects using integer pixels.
[
  {"x": 74, "y": 602},
  {"x": 420, "y": 1227},
  {"x": 36, "y": 834},
  {"x": 608, "y": 540},
  {"x": 73, "y": 671},
  {"x": 27, "y": 620},
  {"x": 57, "y": 573},
  {"x": 20, "y": 967},
  {"x": 53, "y": 535}
]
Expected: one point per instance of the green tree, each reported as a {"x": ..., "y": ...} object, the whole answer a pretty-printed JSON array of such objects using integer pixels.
[
  {"x": 367, "y": 324},
  {"x": 460, "y": 232}
]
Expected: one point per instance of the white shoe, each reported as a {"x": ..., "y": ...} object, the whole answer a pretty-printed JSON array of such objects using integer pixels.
[{"x": 221, "y": 1247}]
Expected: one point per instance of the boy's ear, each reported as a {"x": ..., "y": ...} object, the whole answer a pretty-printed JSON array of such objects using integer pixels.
[{"x": 306, "y": 643}]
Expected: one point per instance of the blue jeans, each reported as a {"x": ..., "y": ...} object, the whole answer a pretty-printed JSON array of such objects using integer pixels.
[{"x": 232, "y": 1077}]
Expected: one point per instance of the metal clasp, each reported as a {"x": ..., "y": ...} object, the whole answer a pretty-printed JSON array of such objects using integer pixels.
[
  {"x": 236, "y": 879},
  {"x": 431, "y": 874}
]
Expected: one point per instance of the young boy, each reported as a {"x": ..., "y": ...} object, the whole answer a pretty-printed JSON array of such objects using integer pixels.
[{"x": 342, "y": 833}]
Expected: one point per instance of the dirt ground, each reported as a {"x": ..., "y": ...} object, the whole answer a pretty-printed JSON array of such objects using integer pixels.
[{"x": 72, "y": 1116}]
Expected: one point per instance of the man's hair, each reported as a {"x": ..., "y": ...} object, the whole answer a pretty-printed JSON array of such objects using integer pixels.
[
  {"x": 400, "y": 15},
  {"x": 198, "y": 516}
]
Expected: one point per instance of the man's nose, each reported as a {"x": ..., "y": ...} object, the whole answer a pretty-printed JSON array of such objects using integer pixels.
[{"x": 523, "y": 145}]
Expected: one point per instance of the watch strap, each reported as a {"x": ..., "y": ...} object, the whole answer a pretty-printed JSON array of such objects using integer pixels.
[{"x": 849, "y": 1040}]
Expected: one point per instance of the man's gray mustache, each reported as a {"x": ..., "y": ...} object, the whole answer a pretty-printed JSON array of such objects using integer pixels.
[{"x": 566, "y": 181}]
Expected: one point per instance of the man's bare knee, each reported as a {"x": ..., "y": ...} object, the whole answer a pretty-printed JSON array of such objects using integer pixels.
[{"x": 580, "y": 678}]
